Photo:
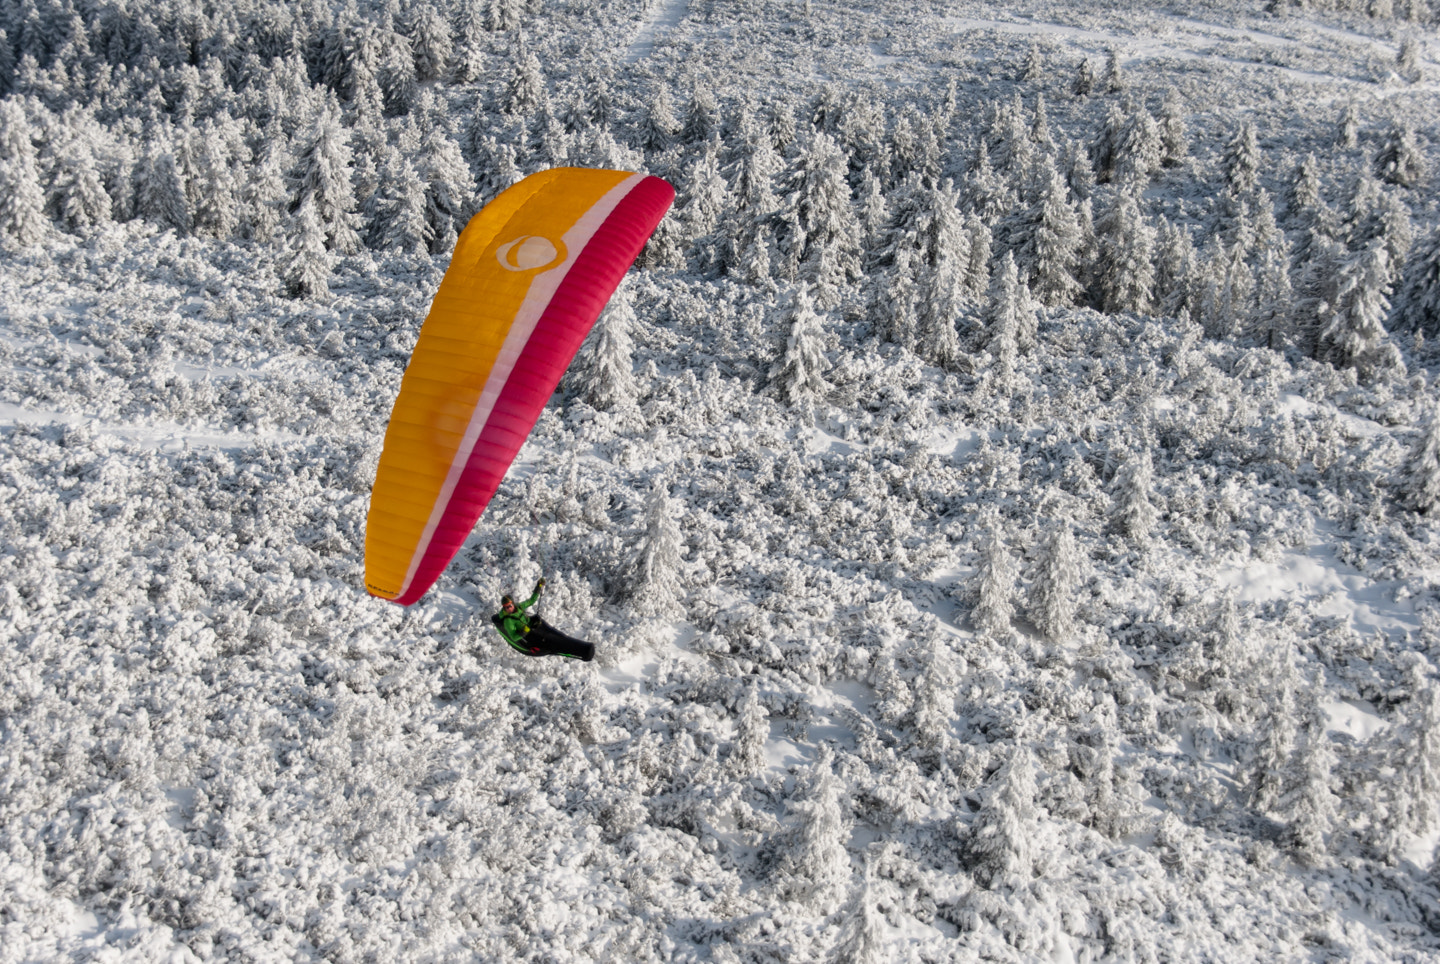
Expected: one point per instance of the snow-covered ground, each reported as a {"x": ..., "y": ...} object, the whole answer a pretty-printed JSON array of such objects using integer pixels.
[{"x": 1113, "y": 637}]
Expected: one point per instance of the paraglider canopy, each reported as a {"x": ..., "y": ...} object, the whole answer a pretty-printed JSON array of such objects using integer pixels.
[{"x": 530, "y": 274}]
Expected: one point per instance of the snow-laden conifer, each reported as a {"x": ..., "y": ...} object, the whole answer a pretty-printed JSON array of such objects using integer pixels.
[
  {"x": 603, "y": 374},
  {"x": 1419, "y": 482},
  {"x": 1134, "y": 515},
  {"x": 1310, "y": 802},
  {"x": 984, "y": 192},
  {"x": 77, "y": 195},
  {"x": 752, "y": 729},
  {"x": 1274, "y": 296},
  {"x": 160, "y": 194},
  {"x": 1049, "y": 243},
  {"x": 655, "y": 577},
  {"x": 822, "y": 215},
  {"x": 1083, "y": 84},
  {"x": 1125, "y": 267},
  {"x": 22, "y": 198},
  {"x": 1407, "y": 59},
  {"x": 1173, "y": 143},
  {"x": 1175, "y": 271},
  {"x": 504, "y": 14},
  {"x": 1241, "y": 162},
  {"x": 1010, "y": 314},
  {"x": 1139, "y": 148},
  {"x": 1305, "y": 186},
  {"x": 400, "y": 221},
  {"x": 993, "y": 585},
  {"x": 1055, "y": 585},
  {"x": 818, "y": 865},
  {"x": 1399, "y": 160},
  {"x": 1418, "y": 304},
  {"x": 1347, "y": 129},
  {"x": 998, "y": 843},
  {"x": 308, "y": 262},
  {"x": 702, "y": 114},
  {"x": 658, "y": 124},
  {"x": 322, "y": 177},
  {"x": 798, "y": 375},
  {"x": 431, "y": 42},
  {"x": 1352, "y": 318},
  {"x": 863, "y": 935},
  {"x": 525, "y": 91},
  {"x": 449, "y": 188}
]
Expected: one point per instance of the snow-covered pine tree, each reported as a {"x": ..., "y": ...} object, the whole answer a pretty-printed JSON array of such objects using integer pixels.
[
  {"x": 1407, "y": 59},
  {"x": 1010, "y": 314},
  {"x": 525, "y": 91},
  {"x": 1175, "y": 272},
  {"x": 1418, "y": 305},
  {"x": 1352, "y": 319},
  {"x": 1311, "y": 804},
  {"x": 160, "y": 194},
  {"x": 265, "y": 193},
  {"x": 1055, "y": 585},
  {"x": 449, "y": 188},
  {"x": 1134, "y": 515},
  {"x": 818, "y": 865},
  {"x": 818, "y": 203},
  {"x": 1139, "y": 148},
  {"x": 1084, "y": 83},
  {"x": 702, "y": 114},
  {"x": 997, "y": 844},
  {"x": 1173, "y": 142},
  {"x": 322, "y": 176},
  {"x": 752, "y": 729},
  {"x": 655, "y": 577},
  {"x": 603, "y": 375},
  {"x": 308, "y": 263},
  {"x": 400, "y": 222},
  {"x": 1304, "y": 186},
  {"x": 1347, "y": 130},
  {"x": 934, "y": 707},
  {"x": 1049, "y": 243},
  {"x": 863, "y": 930},
  {"x": 1241, "y": 162},
  {"x": 1399, "y": 160},
  {"x": 658, "y": 124},
  {"x": 897, "y": 299},
  {"x": 798, "y": 375},
  {"x": 22, "y": 199},
  {"x": 1114, "y": 79},
  {"x": 703, "y": 207},
  {"x": 1419, "y": 483},
  {"x": 1124, "y": 278},
  {"x": 504, "y": 14},
  {"x": 993, "y": 585},
  {"x": 431, "y": 42},
  {"x": 77, "y": 195},
  {"x": 985, "y": 193},
  {"x": 1274, "y": 296}
]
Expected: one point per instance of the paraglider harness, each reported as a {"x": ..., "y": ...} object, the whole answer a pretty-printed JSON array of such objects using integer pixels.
[{"x": 533, "y": 636}]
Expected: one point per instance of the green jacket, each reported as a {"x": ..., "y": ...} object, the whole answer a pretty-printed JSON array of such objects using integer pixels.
[{"x": 514, "y": 626}]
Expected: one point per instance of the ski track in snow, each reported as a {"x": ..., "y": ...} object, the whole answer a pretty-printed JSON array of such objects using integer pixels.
[
  {"x": 1190, "y": 39},
  {"x": 668, "y": 17},
  {"x": 165, "y": 436}
]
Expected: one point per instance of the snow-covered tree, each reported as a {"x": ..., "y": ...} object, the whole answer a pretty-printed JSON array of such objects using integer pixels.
[
  {"x": 1055, "y": 585},
  {"x": 160, "y": 193},
  {"x": 1347, "y": 131},
  {"x": 604, "y": 375},
  {"x": 799, "y": 372},
  {"x": 1419, "y": 483},
  {"x": 1010, "y": 316},
  {"x": 998, "y": 843},
  {"x": 1241, "y": 162},
  {"x": 752, "y": 730},
  {"x": 1134, "y": 514},
  {"x": 432, "y": 43},
  {"x": 1125, "y": 269},
  {"x": 1173, "y": 143},
  {"x": 993, "y": 585},
  {"x": 322, "y": 177},
  {"x": 1084, "y": 83},
  {"x": 1352, "y": 318},
  {"x": 702, "y": 114},
  {"x": 308, "y": 262},
  {"x": 1049, "y": 243},
  {"x": 863, "y": 938},
  {"x": 655, "y": 577},
  {"x": 22, "y": 199},
  {"x": 1418, "y": 305},
  {"x": 1399, "y": 160},
  {"x": 818, "y": 865},
  {"x": 658, "y": 124},
  {"x": 525, "y": 91}
]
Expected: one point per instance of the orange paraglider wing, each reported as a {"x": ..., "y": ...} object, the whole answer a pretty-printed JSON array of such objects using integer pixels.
[{"x": 530, "y": 274}]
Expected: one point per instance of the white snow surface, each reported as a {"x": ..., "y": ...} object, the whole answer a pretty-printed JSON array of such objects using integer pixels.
[{"x": 214, "y": 745}]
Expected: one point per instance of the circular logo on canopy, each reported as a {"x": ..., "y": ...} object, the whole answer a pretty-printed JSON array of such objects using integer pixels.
[{"x": 530, "y": 252}]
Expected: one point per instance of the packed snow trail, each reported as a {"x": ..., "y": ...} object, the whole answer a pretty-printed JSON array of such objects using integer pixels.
[{"x": 668, "y": 17}]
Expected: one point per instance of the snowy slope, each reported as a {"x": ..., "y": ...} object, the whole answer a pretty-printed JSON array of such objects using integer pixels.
[{"x": 1110, "y": 637}]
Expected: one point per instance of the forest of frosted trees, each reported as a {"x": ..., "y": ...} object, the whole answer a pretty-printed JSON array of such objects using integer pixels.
[{"x": 1001, "y": 496}]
